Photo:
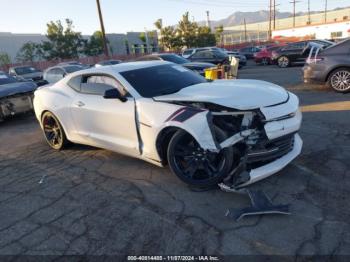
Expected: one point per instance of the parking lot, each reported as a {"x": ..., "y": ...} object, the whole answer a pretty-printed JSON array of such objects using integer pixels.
[{"x": 91, "y": 201}]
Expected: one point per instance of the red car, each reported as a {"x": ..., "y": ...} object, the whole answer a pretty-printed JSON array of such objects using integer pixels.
[{"x": 264, "y": 56}]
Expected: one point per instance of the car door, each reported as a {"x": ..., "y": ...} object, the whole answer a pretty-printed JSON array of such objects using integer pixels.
[
  {"x": 196, "y": 57},
  {"x": 106, "y": 123},
  {"x": 295, "y": 52}
]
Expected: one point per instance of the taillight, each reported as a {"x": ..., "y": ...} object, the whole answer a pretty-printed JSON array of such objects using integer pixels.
[{"x": 314, "y": 60}]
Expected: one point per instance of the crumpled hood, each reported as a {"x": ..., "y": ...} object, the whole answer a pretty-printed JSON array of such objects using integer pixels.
[
  {"x": 240, "y": 94},
  {"x": 16, "y": 88}
]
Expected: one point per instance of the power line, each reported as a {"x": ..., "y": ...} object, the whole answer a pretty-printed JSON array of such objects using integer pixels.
[{"x": 218, "y": 4}]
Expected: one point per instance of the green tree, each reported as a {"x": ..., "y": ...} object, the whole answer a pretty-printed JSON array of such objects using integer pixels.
[
  {"x": 4, "y": 59},
  {"x": 187, "y": 31},
  {"x": 29, "y": 52},
  {"x": 219, "y": 33},
  {"x": 94, "y": 46},
  {"x": 170, "y": 39},
  {"x": 205, "y": 37},
  {"x": 159, "y": 25},
  {"x": 63, "y": 42},
  {"x": 143, "y": 37}
]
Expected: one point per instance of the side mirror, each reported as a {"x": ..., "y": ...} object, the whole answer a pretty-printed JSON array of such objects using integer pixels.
[{"x": 114, "y": 94}]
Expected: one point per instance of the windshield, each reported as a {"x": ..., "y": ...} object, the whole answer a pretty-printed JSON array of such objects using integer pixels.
[
  {"x": 72, "y": 68},
  {"x": 25, "y": 70},
  {"x": 161, "y": 80},
  {"x": 6, "y": 79},
  {"x": 175, "y": 59}
]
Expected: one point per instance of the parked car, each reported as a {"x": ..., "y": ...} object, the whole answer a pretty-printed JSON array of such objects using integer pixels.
[
  {"x": 56, "y": 73},
  {"x": 74, "y": 63},
  {"x": 295, "y": 53},
  {"x": 249, "y": 52},
  {"x": 191, "y": 51},
  {"x": 210, "y": 56},
  {"x": 331, "y": 66},
  {"x": 15, "y": 96},
  {"x": 264, "y": 56},
  {"x": 236, "y": 54},
  {"x": 108, "y": 62},
  {"x": 27, "y": 73},
  {"x": 198, "y": 67},
  {"x": 166, "y": 114}
]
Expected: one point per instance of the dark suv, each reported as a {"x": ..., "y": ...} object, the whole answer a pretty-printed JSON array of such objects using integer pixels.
[
  {"x": 27, "y": 73},
  {"x": 331, "y": 66},
  {"x": 210, "y": 56},
  {"x": 249, "y": 52},
  {"x": 295, "y": 53}
]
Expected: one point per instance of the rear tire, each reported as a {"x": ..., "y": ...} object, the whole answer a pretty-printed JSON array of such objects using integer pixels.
[
  {"x": 339, "y": 80},
  {"x": 196, "y": 166},
  {"x": 283, "y": 62},
  {"x": 53, "y": 131}
]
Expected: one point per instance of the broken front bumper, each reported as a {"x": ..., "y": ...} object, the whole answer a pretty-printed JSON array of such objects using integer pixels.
[
  {"x": 15, "y": 104},
  {"x": 271, "y": 168}
]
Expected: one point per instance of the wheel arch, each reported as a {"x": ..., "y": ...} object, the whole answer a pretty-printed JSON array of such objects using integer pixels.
[
  {"x": 62, "y": 124},
  {"x": 163, "y": 140}
]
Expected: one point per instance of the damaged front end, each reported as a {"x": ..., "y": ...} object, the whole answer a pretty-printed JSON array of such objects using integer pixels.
[
  {"x": 15, "y": 104},
  {"x": 264, "y": 140}
]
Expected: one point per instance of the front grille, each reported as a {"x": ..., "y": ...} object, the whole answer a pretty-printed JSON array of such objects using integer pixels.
[{"x": 271, "y": 150}]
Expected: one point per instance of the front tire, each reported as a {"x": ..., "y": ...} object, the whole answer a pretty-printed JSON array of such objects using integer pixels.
[
  {"x": 196, "y": 166},
  {"x": 53, "y": 131},
  {"x": 283, "y": 62},
  {"x": 339, "y": 80},
  {"x": 265, "y": 61}
]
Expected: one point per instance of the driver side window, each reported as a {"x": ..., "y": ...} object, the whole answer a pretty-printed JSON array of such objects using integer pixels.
[{"x": 98, "y": 84}]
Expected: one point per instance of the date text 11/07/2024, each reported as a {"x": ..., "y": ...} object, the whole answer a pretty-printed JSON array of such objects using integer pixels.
[{"x": 173, "y": 258}]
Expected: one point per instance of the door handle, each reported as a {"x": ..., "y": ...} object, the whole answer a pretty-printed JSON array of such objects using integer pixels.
[{"x": 80, "y": 104}]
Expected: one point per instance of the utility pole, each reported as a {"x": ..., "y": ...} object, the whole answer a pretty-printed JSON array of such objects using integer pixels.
[
  {"x": 294, "y": 2},
  {"x": 270, "y": 17},
  {"x": 102, "y": 28},
  {"x": 208, "y": 19},
  {"x": 309, "y": 12},
  {"x": 325, "y": 11},
  {"x": 245, "y": 31},
  {"x": 274, "y": 14}
]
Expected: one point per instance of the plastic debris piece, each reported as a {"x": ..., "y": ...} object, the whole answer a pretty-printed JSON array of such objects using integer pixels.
[{"x": 261, "y": 205}]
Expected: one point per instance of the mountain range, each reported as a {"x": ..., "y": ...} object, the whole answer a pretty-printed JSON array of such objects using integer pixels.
[{"x": 237, "y": 18}]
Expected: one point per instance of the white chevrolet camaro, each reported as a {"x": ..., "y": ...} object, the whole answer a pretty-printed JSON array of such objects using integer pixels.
[{"x": 232, "y": 132}]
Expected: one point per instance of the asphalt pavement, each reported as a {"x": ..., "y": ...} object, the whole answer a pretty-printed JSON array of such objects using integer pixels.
[{"x": 88, "y": 201}]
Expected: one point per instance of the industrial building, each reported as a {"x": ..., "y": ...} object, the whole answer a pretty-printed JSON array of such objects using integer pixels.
[
  {"x": 333, "y": 25},
  {"x": 119, "y": 44}
]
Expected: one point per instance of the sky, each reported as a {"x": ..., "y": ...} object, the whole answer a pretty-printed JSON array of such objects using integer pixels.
[{"x": 120, "y": 16}]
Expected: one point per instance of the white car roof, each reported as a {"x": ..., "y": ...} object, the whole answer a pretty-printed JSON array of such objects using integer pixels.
[{"x": 121, "y": 67}]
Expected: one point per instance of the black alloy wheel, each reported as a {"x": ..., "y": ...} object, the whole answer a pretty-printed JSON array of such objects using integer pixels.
[
  {"x": 196, "y": 166},
  {"x": 53, "y": 131}
]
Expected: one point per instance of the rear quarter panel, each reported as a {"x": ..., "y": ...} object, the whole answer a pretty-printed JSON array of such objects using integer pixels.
[{"x": 57, "y": 99}]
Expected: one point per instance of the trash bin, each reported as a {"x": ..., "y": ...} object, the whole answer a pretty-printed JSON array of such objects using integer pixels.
[
  {"x": 214, "y": 73},
  {"x": 211, "y": 73}
]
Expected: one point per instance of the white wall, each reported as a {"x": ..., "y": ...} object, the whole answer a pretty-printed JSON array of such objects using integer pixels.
[{"x": 320, "y": 31}]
